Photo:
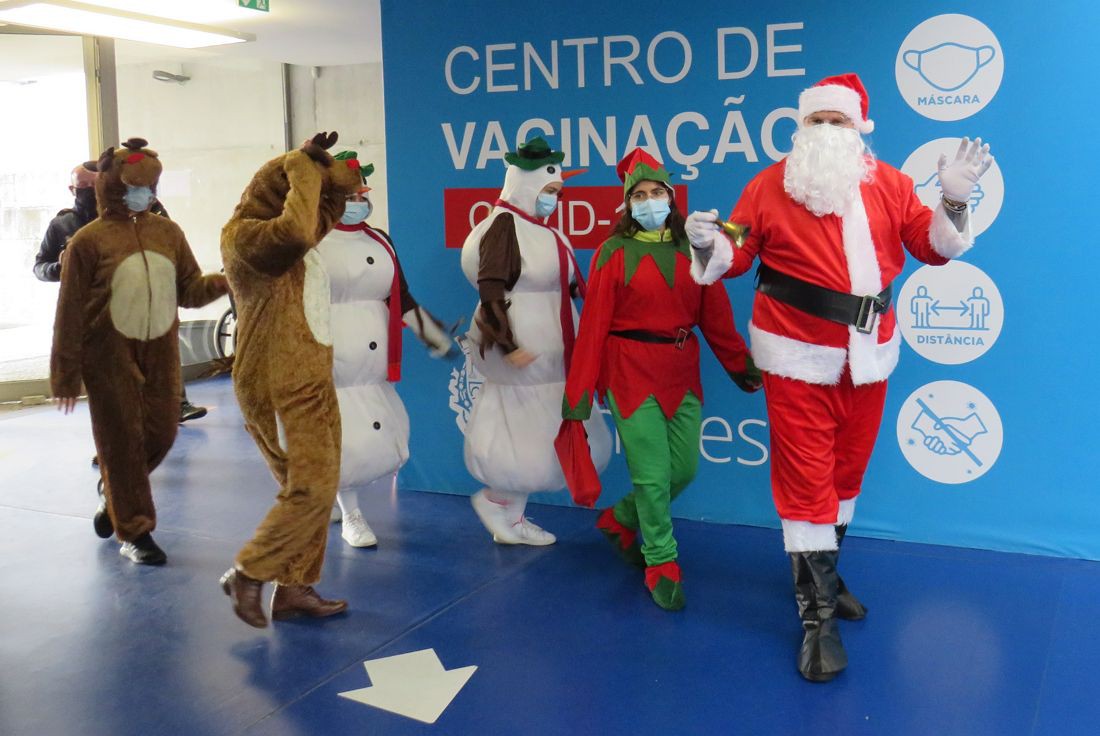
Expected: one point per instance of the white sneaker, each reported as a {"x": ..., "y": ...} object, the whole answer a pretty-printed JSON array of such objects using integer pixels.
[
  {"x": 335, "y": 516},
  {"x": 357, "y": 532}
]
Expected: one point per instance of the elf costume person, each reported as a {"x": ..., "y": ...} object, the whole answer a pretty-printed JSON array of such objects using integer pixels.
[
  {"x": 828, "y": 224},
  {"x": 524, "y": 272},
  {"x": 123, "y": 277},
  {"x": 369, "y": 303},
  {"x": 637, "y": 349}
]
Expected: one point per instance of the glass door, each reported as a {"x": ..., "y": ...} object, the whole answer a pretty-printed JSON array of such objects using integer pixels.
[{"x": 43, "y": 136}]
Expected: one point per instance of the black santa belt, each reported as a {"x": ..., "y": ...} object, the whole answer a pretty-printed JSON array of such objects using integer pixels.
[{"x": 835, "y": 306}]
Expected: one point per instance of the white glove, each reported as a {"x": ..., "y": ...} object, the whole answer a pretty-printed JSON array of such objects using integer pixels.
[
  {"x": 700, "y": 227},
  {"x": 958, "y": 179}
]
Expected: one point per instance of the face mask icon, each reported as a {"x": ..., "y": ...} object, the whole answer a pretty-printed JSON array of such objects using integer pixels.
[
  {"x": 949, "y": 66},
  {"x": 929, "y": 192}
]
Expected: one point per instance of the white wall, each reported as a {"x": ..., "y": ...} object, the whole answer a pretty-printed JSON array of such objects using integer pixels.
[
  {"x": 347, "y": 99},
  {"x": 211, "y": 133}
]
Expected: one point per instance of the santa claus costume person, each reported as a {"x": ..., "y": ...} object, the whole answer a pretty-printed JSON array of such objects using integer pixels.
[
  {"x": 829, "y": 224},
  {"x": 637, "y": 349},
  {"x": 524, "y": 328},
  {"x": 370, "y": 301}
]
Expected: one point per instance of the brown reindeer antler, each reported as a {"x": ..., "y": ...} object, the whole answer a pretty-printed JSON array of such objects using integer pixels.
[
  {"x": 317, "y": 146},
  {"x": 105, "y": 160},
  {"x": 135, "y": 144}
]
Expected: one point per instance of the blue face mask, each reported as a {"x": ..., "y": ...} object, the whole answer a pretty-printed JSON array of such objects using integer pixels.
[
  {"x": 138, "y": 199},
  {"x": 546, "y": 204},
  {"x": 356, "y": 212},
  {"x": 948, "y": 66},
  {"x": 651, "y": 214}
]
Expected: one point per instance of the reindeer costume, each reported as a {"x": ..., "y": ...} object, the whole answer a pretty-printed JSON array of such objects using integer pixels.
[
  {"x": 123, "y": 277},
  {"x": 283, "y": 370}
]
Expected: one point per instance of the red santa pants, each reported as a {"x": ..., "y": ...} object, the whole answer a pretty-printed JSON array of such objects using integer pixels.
[{"x": 821, "y": 442}]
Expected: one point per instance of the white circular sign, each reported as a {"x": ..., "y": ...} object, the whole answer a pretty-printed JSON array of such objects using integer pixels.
[
  {"x": 950, "y": 314},
  {"x": 950, "y": 432},
  {"x": 949, "y": 67},
  {"x": 985, "y": 200}
]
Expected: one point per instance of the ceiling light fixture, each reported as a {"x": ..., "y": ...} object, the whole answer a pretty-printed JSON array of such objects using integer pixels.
[{"x": 95, "y": 20}]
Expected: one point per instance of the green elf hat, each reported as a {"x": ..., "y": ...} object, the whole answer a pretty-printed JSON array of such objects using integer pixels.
[
  {"x": 351, "y": 159},
  {"x": 639, "y": 166},
  {"x": 533, "y": 154}
]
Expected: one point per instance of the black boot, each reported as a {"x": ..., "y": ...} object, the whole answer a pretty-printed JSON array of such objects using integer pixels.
[
  {"x": 848, "y": 606},
  {"x": 822, "y": 654}
]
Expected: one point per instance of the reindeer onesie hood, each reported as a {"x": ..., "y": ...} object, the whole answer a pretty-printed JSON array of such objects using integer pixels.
[
  {"x": 283, "y": 363},
  {"x": 123, "y": 277}
]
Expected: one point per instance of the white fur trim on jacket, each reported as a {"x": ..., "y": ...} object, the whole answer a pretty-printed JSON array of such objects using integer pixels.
[
  {"x": 803, "y": 361},
  {"x": 805, "y": 536},
  {"x": 872, "y": 361},
  {"x": 710, "y": 264},
  {"x": 945, "y": 237},
  {"x": 847, "y": 512}
]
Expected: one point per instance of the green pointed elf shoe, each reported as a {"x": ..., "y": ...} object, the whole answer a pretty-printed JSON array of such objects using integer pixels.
[
  {"x": 622, "y": 538},
  {"x": 664, "y": 585}
]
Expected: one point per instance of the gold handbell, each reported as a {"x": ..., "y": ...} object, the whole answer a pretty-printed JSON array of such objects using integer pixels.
[{"x": 737, "y": 233}]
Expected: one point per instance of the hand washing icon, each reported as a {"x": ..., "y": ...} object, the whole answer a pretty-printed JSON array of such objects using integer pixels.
[
  {"x": 948, "y": 66},
  {"x": 929, "y": 192}
]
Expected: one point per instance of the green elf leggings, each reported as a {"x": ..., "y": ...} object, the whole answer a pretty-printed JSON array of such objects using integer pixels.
[{"x": 662, "y": 455}]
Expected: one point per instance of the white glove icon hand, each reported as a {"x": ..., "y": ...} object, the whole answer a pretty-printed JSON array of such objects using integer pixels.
[
  {"x": 700, "y": 228},
  {"x": 958, "y": 179}
]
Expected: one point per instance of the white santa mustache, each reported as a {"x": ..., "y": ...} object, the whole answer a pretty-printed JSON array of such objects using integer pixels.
[{"x": 825, "y": 168}]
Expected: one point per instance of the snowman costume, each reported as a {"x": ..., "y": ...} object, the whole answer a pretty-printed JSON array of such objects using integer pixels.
[
  {"x": 369, "y": 303},
  {"x": 519, "y": 266}
]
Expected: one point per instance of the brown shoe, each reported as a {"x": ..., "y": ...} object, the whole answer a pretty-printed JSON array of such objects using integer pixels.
[
  {"x": 289, "y": 601},
  {"x": 245, "y": 594}
]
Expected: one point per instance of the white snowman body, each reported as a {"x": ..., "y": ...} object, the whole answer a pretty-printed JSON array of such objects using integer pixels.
[
  {"x": 509, "y": 442},
  {"x": 375, "y": 425}
]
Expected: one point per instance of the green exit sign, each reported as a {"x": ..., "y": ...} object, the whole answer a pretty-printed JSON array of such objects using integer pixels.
[{"x": 254, "y": 4}]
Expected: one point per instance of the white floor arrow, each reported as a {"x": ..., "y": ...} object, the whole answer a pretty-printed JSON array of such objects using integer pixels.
[{"x": 413, "y": 685}]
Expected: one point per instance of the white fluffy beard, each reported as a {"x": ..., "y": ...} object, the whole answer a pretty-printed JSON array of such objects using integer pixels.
[{"x": 825, "y": 168}]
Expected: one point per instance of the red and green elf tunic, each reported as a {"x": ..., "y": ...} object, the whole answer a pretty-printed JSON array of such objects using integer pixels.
[{"x": 641, "y": 287}]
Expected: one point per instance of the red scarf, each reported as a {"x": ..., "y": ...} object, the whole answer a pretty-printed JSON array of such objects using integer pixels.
[
  {"x": 565, "y": 257},
  {"x": 393, "y": 337}
]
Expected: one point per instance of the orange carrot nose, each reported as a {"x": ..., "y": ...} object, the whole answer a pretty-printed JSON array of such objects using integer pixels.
[
  {"x": 133, "y": 158},
  {"x": 567, "y": 174}
]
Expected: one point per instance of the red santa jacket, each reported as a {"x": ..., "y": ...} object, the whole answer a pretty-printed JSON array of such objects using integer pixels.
[
  {"x": 858, "y": 253},
  {"x": 637, "y": 285}
]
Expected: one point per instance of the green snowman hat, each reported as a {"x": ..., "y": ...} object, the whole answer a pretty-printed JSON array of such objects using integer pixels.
[
  {"x": 534, "y": 154},
  {"x": 352, "y": 159}
]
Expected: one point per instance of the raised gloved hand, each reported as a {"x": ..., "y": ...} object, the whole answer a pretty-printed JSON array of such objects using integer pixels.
[
  {"x": 701, "y": 227},
  {"x": 958, "y": 179}
]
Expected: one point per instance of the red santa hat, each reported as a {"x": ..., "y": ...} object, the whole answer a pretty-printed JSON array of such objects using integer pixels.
[{"x": 842, "y": 93}]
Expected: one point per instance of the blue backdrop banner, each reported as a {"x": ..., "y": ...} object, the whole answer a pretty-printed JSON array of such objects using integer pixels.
[{"x": 986, "y": 437}]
